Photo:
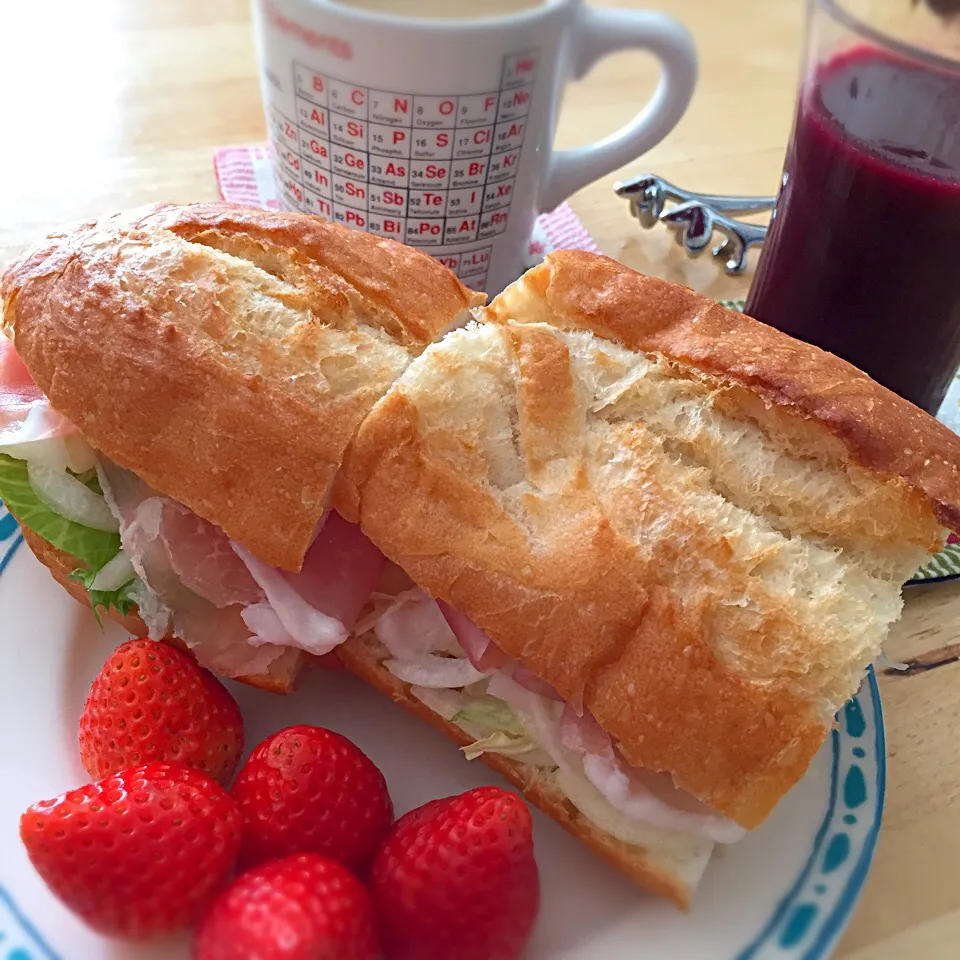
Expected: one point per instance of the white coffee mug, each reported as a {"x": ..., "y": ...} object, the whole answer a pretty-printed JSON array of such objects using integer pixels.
[{"x": 439, "y": 132}]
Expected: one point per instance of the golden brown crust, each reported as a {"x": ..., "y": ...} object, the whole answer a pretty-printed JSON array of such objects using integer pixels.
[
  {"x": 640, "y": 865},
  {"x": 226, "y": 355},
  {"x": 734, "y": 744},
  {"x": 61, "y": 565},
  {"x": 566, "y": 494},
  {"x": 881, "y": 431}
]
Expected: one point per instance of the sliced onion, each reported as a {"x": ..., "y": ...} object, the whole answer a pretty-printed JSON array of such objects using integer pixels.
[
  {"x": 114, "y": 574},
  {"x": 81, "y": 457},
  {"x": 308, "y": 628},
  {"x": 427, "y": 670},
  {"x": 41, "y": 422},
  {"x": 413, "y": 625},
  {"x": 631, "y": 797},
  {"x": 68, "y": 497},
  {"x": 484, "y": 654},
  {"x": 51, "y": 453},
  {"x": 532, "y": 682},
  {"x": 588, "y": 800}
]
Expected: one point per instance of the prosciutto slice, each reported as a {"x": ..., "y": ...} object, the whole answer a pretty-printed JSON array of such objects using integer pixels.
[
  {"x": 236, "y": 612},
  {"x": 482, "y": 652},
  {"x": 584, "y": 751},
  {"x": 308, "y": 628},
  {"x": 25, "y": 413},
  {"x": 201, "y": 556},
  {"x": 640, "y": 794},
  {"x": 340, "y": 570},
  {"x": 217, "y": 635}
]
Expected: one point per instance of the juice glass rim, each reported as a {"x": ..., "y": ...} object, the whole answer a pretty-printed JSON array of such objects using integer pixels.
[{"x": 836, "y": 8}]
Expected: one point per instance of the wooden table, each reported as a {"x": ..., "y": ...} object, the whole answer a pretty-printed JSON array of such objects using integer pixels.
[{"x": 110, "y": 103}]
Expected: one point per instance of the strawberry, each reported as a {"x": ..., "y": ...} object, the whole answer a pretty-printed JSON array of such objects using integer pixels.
[
  {"x": 153, "y": 702},
  {"x": 138, "y": 853},
  {"x": 310, "y": 790},
  {"x": 300, "y": 908},
  {"x": 457, "y": 878}
]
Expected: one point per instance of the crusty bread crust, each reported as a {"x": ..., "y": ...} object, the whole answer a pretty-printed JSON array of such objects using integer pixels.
[
  {"x": 61, "y": 565},
  {"x": 881, "y": 431},
  {"x": 644, "y": 867},
  {"x": 644, "y": 540},
  {"x": 226, "y": 355}
]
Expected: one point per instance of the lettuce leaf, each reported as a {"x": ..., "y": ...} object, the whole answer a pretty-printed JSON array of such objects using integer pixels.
[
  {"x": 499, "y": 743},
  {"x": 492, "y": 713},
  {"x": 93, "y": 547},
  {"x": 120, "y": 599}
]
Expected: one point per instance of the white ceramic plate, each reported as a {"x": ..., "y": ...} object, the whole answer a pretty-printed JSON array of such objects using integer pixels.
[{"x": 784, "y": 893}]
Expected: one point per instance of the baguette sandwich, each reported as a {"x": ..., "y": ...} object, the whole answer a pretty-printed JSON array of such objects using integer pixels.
[
  {"x": 667, "y": 540},
  {"x": 632, "y": 549},
  {"x": 179, "y": 385}
]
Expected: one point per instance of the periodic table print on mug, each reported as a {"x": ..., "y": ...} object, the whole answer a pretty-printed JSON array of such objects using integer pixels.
[
  {"x": 438, "y": 132},
  {"x": 431, "y": 171}
]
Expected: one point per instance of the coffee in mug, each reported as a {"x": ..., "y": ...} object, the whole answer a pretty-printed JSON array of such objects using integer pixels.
[{"x": 441, "y": 9}]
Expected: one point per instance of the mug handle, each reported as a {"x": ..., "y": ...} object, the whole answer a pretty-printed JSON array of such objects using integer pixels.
[{"x": 597, "y": 33}]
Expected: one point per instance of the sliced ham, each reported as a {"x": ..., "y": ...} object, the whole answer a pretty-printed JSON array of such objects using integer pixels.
[
  {"x": 530, "y": 681},
  {"x": 582, "y": 734},
  {"x": 340, "y": 570},
  {"x": 193, "y": 569},
  {"x": 482, "y": 652},
  {"x": 202, "y": 558},
  {"x": 218, "y": 636}
]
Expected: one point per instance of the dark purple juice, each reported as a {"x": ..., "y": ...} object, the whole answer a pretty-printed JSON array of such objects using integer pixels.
[{"x": 863, "y": 254}]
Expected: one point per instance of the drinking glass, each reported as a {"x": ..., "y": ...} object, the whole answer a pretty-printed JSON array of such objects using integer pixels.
[{"x": 863, "y": 253}]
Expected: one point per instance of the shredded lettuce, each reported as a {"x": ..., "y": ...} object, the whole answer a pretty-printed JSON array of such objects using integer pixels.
[
  {"x": 92, "y": 547},
  {"x": 122, "y": 599},
  {"x": 492, "y": 713},
  {"x": 508, "y": 735},
  {"x": 499, "y": 743}
]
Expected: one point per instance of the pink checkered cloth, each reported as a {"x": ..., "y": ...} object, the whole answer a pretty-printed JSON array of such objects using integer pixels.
[{"x": 244, "y": 175}]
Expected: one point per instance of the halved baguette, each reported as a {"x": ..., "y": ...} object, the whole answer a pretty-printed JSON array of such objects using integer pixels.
[
  {"x": 686, "y": 522},
  {"x": 226, "y": 355}
]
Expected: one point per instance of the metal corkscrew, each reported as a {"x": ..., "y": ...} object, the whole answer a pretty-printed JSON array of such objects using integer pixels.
[{"x": 697, "y": 216}]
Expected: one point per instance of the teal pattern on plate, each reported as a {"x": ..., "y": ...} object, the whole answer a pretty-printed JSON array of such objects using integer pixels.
[
  {"x": 19, "y": 940},
  {"x": 810, "y": 917}
]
